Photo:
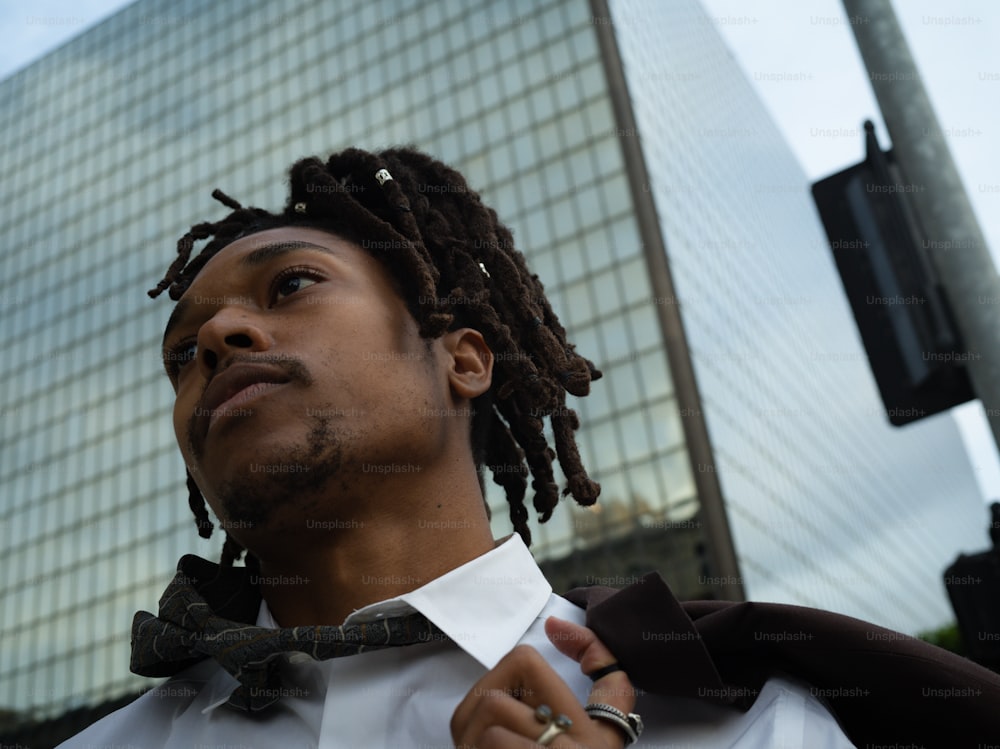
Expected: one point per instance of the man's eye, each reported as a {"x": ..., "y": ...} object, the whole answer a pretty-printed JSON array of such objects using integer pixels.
[
  {"x": 180, "y": 355},
  {"x": 290, "y": 282}
]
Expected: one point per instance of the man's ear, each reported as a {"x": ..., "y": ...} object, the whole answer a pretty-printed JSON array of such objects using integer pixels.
[{"x": 470, "y": 362}]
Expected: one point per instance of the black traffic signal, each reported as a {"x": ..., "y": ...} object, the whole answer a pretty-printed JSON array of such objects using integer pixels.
[{"x": 913, "y": 345}]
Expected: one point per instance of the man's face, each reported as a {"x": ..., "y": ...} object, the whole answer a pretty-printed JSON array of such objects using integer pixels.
[{"x": 298, "y": 369}]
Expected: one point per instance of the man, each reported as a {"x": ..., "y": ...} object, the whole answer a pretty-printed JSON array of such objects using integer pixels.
[{"x": 344, "y": 371}]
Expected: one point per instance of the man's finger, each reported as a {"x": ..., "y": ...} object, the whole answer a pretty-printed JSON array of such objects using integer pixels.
[{"x": 583, "y": 646}]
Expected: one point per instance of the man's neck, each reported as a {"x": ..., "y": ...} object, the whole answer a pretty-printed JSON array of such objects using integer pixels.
[{"x": 323, "y": 582}]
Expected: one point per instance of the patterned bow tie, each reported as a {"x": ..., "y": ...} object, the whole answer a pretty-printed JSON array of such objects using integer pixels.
[{"x": 207, "y": 612}]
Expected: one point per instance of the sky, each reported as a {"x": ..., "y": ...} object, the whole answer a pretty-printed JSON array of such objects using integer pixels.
[{"x": 801, "y": 57}]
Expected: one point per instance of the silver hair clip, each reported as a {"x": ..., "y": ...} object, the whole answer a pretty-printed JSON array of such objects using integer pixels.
[
  {"x": 383, "y": 176},
  {"x": 300, "y": 207}
]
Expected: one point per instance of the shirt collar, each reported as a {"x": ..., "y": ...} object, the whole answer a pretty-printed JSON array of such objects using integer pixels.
[{"x": 485, "y": 606}]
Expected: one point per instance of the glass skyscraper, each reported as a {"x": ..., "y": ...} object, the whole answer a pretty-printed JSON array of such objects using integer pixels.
[{"x": 737, "y": 433}]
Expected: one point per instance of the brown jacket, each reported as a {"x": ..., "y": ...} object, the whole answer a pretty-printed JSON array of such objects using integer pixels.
[{"x": 886, "y": 689}]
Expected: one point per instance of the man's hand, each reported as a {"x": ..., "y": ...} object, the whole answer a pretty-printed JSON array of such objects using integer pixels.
[{"x": 499, "y": 711}]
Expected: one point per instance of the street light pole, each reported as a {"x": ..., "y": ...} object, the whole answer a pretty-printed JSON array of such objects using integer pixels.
[{"x": 954, "y": 242}]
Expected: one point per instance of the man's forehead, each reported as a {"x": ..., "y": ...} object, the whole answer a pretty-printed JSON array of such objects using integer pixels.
[{"x": 253, "y": 250}]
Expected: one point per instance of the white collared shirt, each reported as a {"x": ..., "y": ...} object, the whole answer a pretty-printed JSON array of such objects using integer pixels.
[{"x": 405, "y": 696}]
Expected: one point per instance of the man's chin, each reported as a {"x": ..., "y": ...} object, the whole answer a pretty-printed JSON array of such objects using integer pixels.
[
  {"x": 251, "y": 500},
  {"x": 277, "y": 483}
]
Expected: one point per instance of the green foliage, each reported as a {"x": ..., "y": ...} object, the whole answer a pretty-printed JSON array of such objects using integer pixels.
[{"x": 946, "y": 637}]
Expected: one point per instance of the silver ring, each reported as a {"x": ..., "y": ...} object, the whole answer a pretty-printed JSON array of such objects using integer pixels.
[
  {"x": 555, "y": 727},
  {"x": 630, "y": 724}
]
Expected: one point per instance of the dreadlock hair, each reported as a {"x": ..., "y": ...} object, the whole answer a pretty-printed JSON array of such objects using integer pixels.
[{"x": 455, "y": 265}]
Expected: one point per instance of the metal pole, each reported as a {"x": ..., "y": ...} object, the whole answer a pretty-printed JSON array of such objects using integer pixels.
[{"x": 955, "y": 243}]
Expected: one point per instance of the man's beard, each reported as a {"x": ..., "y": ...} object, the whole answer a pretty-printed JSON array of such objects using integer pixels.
[{"x": 298, "y": 480}]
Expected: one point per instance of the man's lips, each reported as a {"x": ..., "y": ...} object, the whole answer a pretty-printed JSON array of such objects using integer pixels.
[
  {"x": 227, "y": 407},
  {"x": 236, "y": 385}
]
